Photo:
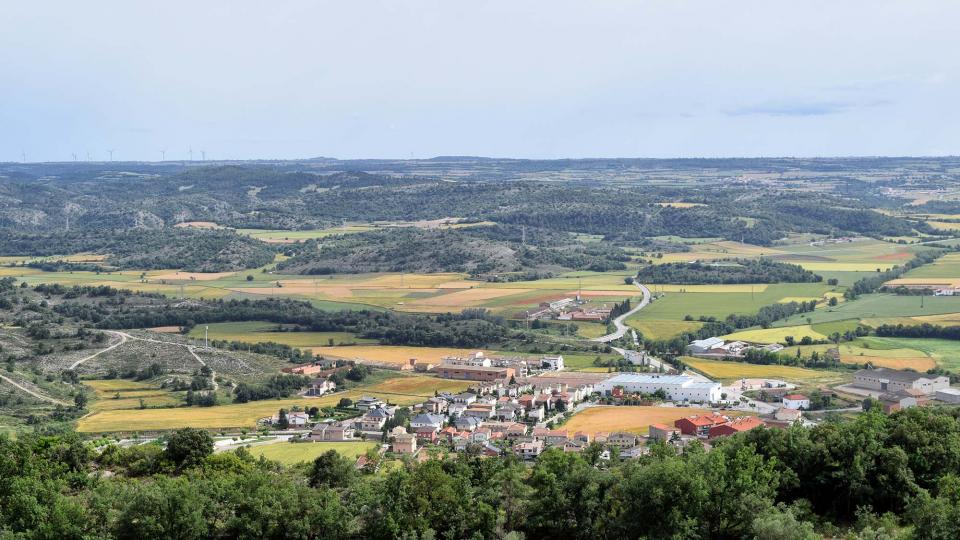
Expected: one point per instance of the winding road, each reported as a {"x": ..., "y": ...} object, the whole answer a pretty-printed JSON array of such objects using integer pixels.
[{"x": 618, "y": 322}]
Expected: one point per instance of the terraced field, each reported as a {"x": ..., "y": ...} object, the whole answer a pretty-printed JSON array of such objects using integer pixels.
[{"x": 120, "y": 394}]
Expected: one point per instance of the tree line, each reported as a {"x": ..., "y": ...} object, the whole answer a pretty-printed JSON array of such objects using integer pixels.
[{"x": 726, "y": 271}]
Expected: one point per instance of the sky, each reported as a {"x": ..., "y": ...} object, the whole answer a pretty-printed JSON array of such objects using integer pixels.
[{"x": 243, "y": 79}]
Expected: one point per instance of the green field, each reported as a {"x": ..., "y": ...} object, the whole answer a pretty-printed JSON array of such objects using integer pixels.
[
  {"x": 947, "y": 266},
  {"x": 945, "y": 352},
  {"x": 293, "y": 453},
  {"x": 871, "y": 306},
  {"x": 281, "y": 236},
  {"x": 675, "y": 305},
  {"x": 656, "y": 329},
  {"x": 262, "y": 332}
]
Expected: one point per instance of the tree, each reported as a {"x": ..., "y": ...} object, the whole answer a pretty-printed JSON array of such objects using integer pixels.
[
  {"x": 282, "y": 421},
  {"x": 188, "y": 447},
  {"x": 80, "y": 401},
  {"x": 331, "y": 469}
]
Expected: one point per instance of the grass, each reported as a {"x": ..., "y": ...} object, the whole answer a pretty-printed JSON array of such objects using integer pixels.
[
  {"x": 121, "y": 394},
  {"x": 674, "y": 306},
  {"x": 730, "y": 371},
  {"x": 633, "y": 419},
  {"x": 871, "y": 306},
  {"x": 293, "y": 453},
  {"x": 947, "y": 266},
  {"x": 239, "y": 415},
  {"x": 260, "y": 332},
  {"x": 946, "y": 353},
  {"x": 775, "y": 335},
  {"x": 653, "y": 329}
]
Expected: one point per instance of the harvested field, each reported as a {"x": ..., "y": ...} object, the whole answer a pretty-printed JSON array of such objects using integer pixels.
[
  {"x": 198, "y": 225},
  {"x": 390, "y": 354},
  {"x": 654, "y": 329},
  {"x": 421, "y": 386},
  {"x": 192, "y": 276},
  {"x": 728, "y": 371},
  {"x": 631, "y": 419},
  {"x": 469, "y": 297},
  {"x": 736, "y": 288}
]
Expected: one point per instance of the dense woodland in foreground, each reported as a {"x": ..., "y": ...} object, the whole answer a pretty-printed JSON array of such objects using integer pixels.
[{"x": 874, "y": 477}]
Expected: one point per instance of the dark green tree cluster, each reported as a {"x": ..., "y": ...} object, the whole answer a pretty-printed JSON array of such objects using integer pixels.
[{"x": 727, "y": 271}]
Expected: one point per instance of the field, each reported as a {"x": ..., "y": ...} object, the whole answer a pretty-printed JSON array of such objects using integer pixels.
[
  {"x": 729, "y": 371},
  {"x": 286, "y": 237},
  {"x": 261, "y": 332},
  {"x": 119, "y": 394},
  {"x": 390, "y": 354},
  {"x": 775, "y": 335},
  {"x": 653, "y": 329},
  {"x": 635, "y": 419},
  {"x": 245, "y": 415},
  {"x": 674, "y": 306},
  {"x": 946, "y": 353},
  {"x": 293, "y": 453},
  {"x": 946, "y": 267}
]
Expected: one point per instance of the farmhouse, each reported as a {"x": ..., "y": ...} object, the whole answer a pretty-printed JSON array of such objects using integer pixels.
[
  {"x": 319, "y": 387},
  {"x": 404, "y": 443},
  {"x": 676, "y": 387},
  {"x": 331, "y": 432},
  {"x": 796, "y": 401},
  {"x": 892, "y": 380}
]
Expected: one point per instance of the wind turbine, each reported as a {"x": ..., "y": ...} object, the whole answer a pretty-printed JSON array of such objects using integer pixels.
[
  {"x": 163, "y": 155},
  {"x": 203, "y": 155},
  {"x": 23, "y": 154},
  {"x": 111, "y": 154},
  {"x": 74, "y": 154},
  {"x": 191, "y": 153}
]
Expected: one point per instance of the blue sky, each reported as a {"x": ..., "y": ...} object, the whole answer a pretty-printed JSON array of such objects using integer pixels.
[{"x": 537, "y": 79}]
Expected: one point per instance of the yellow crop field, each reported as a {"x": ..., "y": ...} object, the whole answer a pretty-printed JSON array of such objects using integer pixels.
[
  {"x": 390, "y": 354},
  {"x": 234, "y": 415},
  {"x": 917, "y": 363},
  {"x": 819, "y": 266},
  {"x": 932, "y": 282},
  {"x": 633, "y": 419},
  {"x": 720, "y": 369},
  {"x": 468, "y": 297},
  {"x": 775, "y": 335},
  {"x": 193, "y": 276},
  {"x": 104, "y": 386},
  {"x": 292, "y": 453},
  {"x": 944, "y": 225},
  {"x": 422, "y": 386}
]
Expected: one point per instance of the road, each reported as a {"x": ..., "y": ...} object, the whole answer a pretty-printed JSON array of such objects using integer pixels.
[
  {"x": 618, "y": 322},
  {"x": 123, "y": 339},
  {"x": 35, "y": 394}
]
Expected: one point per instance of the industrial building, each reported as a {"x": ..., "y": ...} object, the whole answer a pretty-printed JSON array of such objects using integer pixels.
[
  {"x": 676, "y": 387},
  {"x": 893, "y": 380}
]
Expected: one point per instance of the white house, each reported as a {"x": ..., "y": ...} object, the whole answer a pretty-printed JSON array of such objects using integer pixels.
[
  {"x": 427, "y": 420},
  {"x": 552, "y": 362},
  {"x": 796, "y": 401}
]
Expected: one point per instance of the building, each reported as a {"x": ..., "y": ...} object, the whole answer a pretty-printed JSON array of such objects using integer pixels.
[
  {"x": 622, "y": 439},
  {"x": 432, "y": 421},
  {"x": 702, "y": 346},
  {"x": 948, "y": 395},
  {"x": 366, "y": 403},
  {"x": 331, "y": 432},
  {"x": 893, "y": 380},
  {"x": 895, "y": 401},
  {"x": 700, "y": 425},
  {"x": 737, "y": 425},
  {"x": 554, "y": 363},
  {"x": 785, "y": 414},
  {"x": 676, "y": 387},
  {"x": 663, "y": 432},
  {"x": 373, "y": 420},
  {"x": 404, "y": 443},
  {"x": 319, "y": 387},
  {"x": 528, "y": 450},
  {"x": 796, "y": 401},
  {"x": 473, "y": 373}
]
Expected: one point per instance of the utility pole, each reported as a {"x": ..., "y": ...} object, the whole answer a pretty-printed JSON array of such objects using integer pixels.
[{"x": 206, "y": 329}]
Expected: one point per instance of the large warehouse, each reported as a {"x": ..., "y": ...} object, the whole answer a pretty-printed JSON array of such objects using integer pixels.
[{"x": 676, "y": 387}]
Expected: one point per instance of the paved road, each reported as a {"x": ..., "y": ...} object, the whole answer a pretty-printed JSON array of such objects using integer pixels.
[
  {"x": 618, "y": 322},
  {"x": 35, "y": 394}
]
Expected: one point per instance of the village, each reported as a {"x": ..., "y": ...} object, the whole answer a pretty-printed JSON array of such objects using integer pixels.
[{"x": 521, "y": 406}]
